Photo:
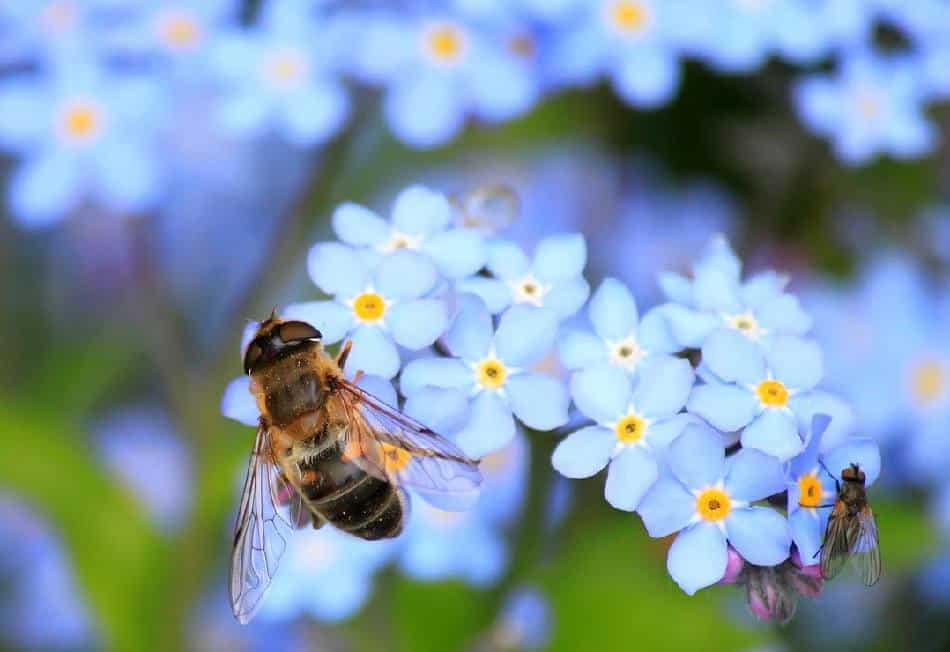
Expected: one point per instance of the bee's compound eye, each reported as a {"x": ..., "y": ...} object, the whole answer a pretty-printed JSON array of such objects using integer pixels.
[
  {"x": 297, "y": 331},
  {"x": 252, "y": 356}
]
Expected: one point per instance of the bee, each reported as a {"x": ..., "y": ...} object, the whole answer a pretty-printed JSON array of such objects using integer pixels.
[
  {"x": 851, "y": 530},
  {"x": 326, "y": 451}
]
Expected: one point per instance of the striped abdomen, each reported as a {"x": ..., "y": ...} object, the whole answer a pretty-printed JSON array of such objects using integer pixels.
[{"x": 349, "y": 498}]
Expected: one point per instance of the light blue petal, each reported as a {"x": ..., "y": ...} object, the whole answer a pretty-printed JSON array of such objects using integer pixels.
[
  {"x": 808, "y": 530},
  {"x": 525, "y": 335},
  {"x": 358, "y": 226},
  {"x": 733, "y": 357},
  {"x": 417, "y": 324},
  {"x": 663, "y": 385},
  {"x": 373, "y": 352},
  {"x": 405, "y": 275},
  {"x": 844, "y": 421},
  {"x": 494, "y": 293},
  {"x": 654, "y": 333},
  {"x": 579, "y": 349},
  {"x": 753, "y": 475},
  {"x": 726, "y": 407},
  {"x": 602, "y": 393},
  {"x": 315, "y": 115},
  {"x": 698, "y": 557},
  {"x": 784, "y": 314},
  {"x": 458, "y": 252},
  {"x": 446, "y": 411},
  {"x": 560, "y": 257},
  {"x": 762, "y": 288},
  {"x": 539, "y": 401},
  {"x": 333, "y": 320},
  {"x": 759, "y": 534},
  {"x": 697, "y": 457},
  {"x": 774, "y": 432},
  {"x": 501, "y": 89},
  {"x": 337, "y": 270},
  {"x": 470, "y": 336},
  {"x": 381, "y": 388},
  {"x": 44, "y": 188},
  {"x": 715, "y": 289},
  {"x": 567, "y": 297},
  {"x": 613, "y": 310},
  {"x": 661, "y": 433},
  {"x": 425, "y": 111},
  {"x": 350, "y": 592},
  {"x": 676, "y": 287},
  {"x": 584, "y": 452},
  {"x": 245, "y": 115},
  {"x": 238, "y": 403},
  {"x": 490, "y": 426},
  {"x": 647, "y": 77},
  {"x": 666, "y": 508},
  {"x": 485, "y": 567},
  {"x": 795, "y": 361},
  {"x": 507, "y": 261},
  {"x": 808, "y": 458},
  {"x": 448, "y": 373},
  {"x": 127, "y": 176},
  {"x": 690, "y": 327},
  {"x": 421, "y": 211},
  {"x": 630, "y": 476},
  {"x": 861, "y": 451}
]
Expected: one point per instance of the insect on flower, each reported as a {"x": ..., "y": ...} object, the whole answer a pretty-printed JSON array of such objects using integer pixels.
[
  {"x": 326, "y": 451},
  {"x": 852, "y": 530}
]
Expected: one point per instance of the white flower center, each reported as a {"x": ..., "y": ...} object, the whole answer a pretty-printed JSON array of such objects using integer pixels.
[
  {"x": 745, "y": 323},
  {"x": 529, "y": 290},
  {"x": 444, "y": 44},
  {"x": 286, "y": 68},
  {"x": 399, "y": 240},
  {"x": 625, "y": 353},
  {"x": 491, "y": 373}
]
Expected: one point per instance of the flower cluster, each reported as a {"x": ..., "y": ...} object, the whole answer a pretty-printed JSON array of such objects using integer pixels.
[{"x": 92, "y": 93}]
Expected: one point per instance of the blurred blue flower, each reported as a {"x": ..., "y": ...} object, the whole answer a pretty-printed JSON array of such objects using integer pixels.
[
  {"x": 872, "y": 105},
  {"x": 707, "y": 499},
  {"x": 378, "y": 303},
  {"x": 634, "y": 422},
  {"x": 716, "y": 299},
  {"x": 524, "y": 622},
  {"x": 620, "y": 337},
  {"x": 553, "y": 279},
  {"x": 83, "y": 135},
  {"x": 421, "y": 221},
  {"x": 489, "y": 374},
  {"x": 761, "y": 393},
  {"x": 812, "y": 491}
]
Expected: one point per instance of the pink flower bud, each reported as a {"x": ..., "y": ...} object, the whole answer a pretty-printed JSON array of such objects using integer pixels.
[{"x": 734, "y": 565}]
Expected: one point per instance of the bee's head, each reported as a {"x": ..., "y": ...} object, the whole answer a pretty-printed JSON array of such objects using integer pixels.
[
  {"x": 853, "y": 474},
  {"x": 275, "y": 337}
]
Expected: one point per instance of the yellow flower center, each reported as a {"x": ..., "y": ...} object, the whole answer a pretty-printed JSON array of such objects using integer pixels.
[
  {"x": 713, "y": 504},
  {"x": 628, "y": 16},
  {"x": 529, "y": 290},
  {"x": 369, "y": 306},
  {"x": 399, "y": 240},
  {"x": 286, "y": 68},
  {"x": 929, "y": 382},
  {"x": 772, "y": 393},
  {"x": 81, "y": 121},
  {"x": 179, "y": 31},
  {"x": 394, "y": 458},
  {"x": 809, "y": 491},
  {"x": 491, "y": 373},
  {"x": 745, "y": 323},
  {"x": 445, "y": 43},
  {"x": 630, "y": 429}
]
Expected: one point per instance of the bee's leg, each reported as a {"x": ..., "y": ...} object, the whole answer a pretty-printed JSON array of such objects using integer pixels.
[
  {"x": 357, "y": 376},
  {"x": 344, "y": 353},
  {"x": 833, "y": 476}
]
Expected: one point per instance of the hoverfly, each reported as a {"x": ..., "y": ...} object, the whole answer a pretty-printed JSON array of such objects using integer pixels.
[
  {"x": 327, "y": 451},
  {"x": 851, "y": 530}
]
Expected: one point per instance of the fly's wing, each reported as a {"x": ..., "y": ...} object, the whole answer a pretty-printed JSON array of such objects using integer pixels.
[
  {"x": 840, "y": 534},
  {"x": 391, "y": 446},
  {"x": 270, "y": 510},
  {"x": 866, "y": 550}
]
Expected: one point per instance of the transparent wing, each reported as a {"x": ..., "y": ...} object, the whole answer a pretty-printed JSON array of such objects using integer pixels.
[
  {"x": 271, "y": 508},
  {"x": 866, "y": 550},
  {"x": 836, "y": 547},
  {"x": 397, "y": 448}
]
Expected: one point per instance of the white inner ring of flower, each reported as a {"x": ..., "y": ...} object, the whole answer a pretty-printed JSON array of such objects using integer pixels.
[{"x": 530, "y": 290}]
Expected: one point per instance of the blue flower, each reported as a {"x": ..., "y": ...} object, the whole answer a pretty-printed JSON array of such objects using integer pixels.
[
  {"x": 707, "y": 499},
  {"x": 634, "y": 422},
  {"x": 553, "y": 279},
  {"x": 870, "y": 106},
  {"x": 620, "y": 337},
  {"x": 717, "y": 299},
  {"x": 325, "y": 574},
  {"x": 489, "y": 375},
  {"x": 762, "y": 394},
  {"x": 377, "y": 303},
  {"x": 524, "y": 622},
  {"x": 84, "y": 135},
  {"x": 812, "y": 491},
  {"x": 632, "y": 41},
  {"x": 421, "y": 220}
]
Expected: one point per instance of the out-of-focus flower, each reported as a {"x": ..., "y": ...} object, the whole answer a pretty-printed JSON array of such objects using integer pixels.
[
  {"x": 620, "y": 337},
  {"x": 633, "y": 423},
  {"x": 552, "y": 279},
  {"x": 84, "y": 135},
  {"x": 762, "y": 394},
  {"x": 524, "y": 622},
  {"x": 708, "y": 502},
  {"x": 140, "y": 446},
  {"x": 377, "y": 303},
  {"x": 872, "y": 105},
  {"x": 489, "y": 374},
  {"x": 421, "y": 221}
]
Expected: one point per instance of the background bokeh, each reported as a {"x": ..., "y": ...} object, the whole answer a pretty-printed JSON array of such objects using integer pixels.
[{"x": 165, "y": 167}]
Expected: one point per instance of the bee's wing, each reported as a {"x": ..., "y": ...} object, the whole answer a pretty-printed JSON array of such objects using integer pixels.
[
  {"x": 271, "y": 509},
  {"x": 840, "y": 533},
  {"x": 399, "y": 449},
  {"x": 867, "y": 549}
]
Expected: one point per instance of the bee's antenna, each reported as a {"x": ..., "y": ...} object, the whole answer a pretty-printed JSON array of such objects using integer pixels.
[{"x": 273, "y": 314}]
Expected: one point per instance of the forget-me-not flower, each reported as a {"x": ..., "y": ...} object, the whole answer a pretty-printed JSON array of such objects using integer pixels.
[
  {"x": 490, "y": 369},
  {"x": 707, "y": 499},
  {"x": 632, "y": 423}
]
